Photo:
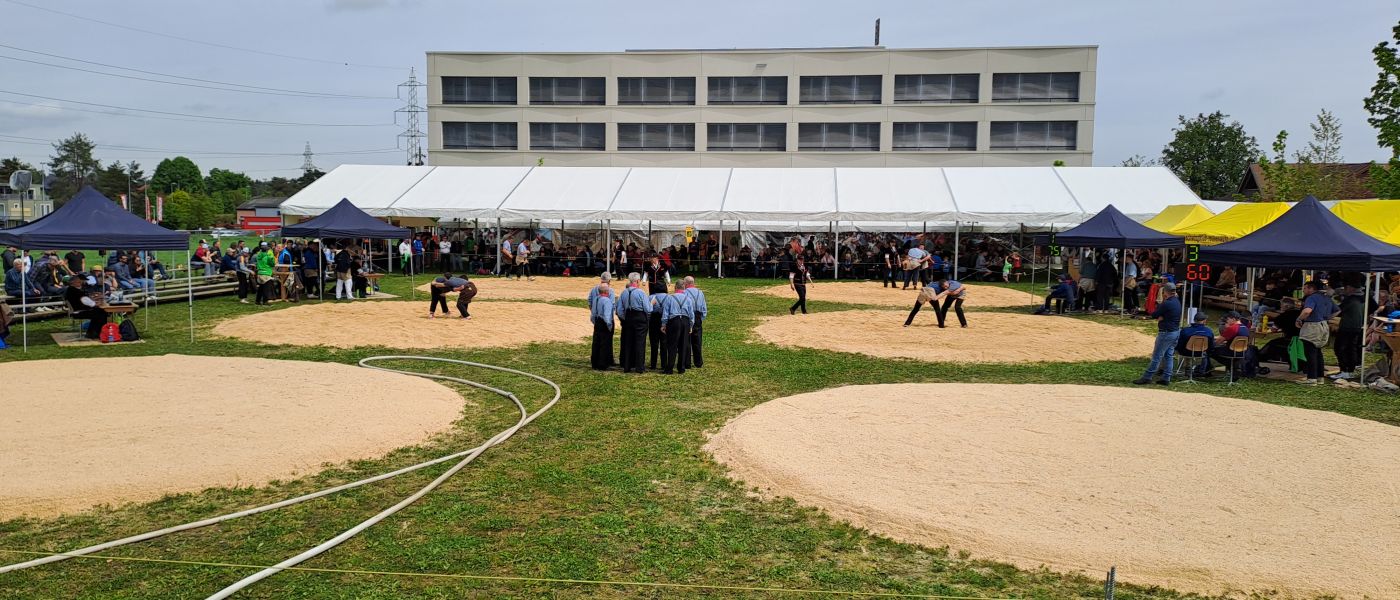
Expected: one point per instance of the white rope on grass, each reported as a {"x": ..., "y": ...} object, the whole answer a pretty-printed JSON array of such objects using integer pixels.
[{"x": 466, "y": 457}]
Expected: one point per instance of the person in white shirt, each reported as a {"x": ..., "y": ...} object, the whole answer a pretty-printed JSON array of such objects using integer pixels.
[
  {"x": 507, "y": 258},
  {"x": 449, "y": 260},
  {"x": 405, "y": 255}
]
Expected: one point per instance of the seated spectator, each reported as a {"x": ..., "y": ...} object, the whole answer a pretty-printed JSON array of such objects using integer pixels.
[
  {"x": 18, "y": 285},
  {"x": 1064, "y": 292},
  {"x": 1197, "y": 328},
  {"x": 1234, "y": 327},
  {"x": 84, "y": 306},
  {"x": 128, "y": 281}
]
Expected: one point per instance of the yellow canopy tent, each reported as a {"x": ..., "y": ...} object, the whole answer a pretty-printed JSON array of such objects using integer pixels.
[
  {"x": 1377, "y": 218},
  {"x": 1236, "y": 222},
  {"x": 1177, "y": 216}
]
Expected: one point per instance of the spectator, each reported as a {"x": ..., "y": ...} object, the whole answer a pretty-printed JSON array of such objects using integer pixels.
[
  {"x": 1197, "y": 328},
  {"x": 1168, "y": 315},
  {"x": 18, "y": 284},
  {"x": 1313, "y": 330}
]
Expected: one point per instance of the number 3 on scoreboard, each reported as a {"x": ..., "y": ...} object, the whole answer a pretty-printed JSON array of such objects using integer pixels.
[{"x": 1193, "y": 252}]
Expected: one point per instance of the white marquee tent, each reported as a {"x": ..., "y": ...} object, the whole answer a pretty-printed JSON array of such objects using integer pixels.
[{"x": 778, "y": 198}]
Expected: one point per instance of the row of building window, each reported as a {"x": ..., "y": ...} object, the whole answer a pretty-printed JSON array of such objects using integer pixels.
[
  {"x": 954, "y": 88},
  {"x": 763, "y": 137}
]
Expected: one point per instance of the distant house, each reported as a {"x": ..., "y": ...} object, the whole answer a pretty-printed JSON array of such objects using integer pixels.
[
  {"x": 261, "y": 214},
  {"x": 17, "y": 208},
  {"x": 1355, "y": 177}
]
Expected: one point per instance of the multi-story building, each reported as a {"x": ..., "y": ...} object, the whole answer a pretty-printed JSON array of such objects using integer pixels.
[
  {"x": 810, "y": 107},
  {"x": 17, "y": 208}
]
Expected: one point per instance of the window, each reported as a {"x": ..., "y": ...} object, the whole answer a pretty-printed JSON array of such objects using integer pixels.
[
  {"x": 845, "y": 89},
  {"x": 566, "y": 136},
  {"x": 935, "y": 136},
  {"x": 1035, "y": 87},
  {"x": 479, "y": 136},
  {"x": 656, "y": 136},
  {"x": 935, "y": 88},
  {"x": 566, "y": 90},
  {"x": 746, "y": 137},
  {"x": 748, "y": 90},
  {"x": 656, "y": 90},
  {"x": 478, "y": 90},
  {"x": 838, "y": 136},
  {"x": 1034, "y": 135}
]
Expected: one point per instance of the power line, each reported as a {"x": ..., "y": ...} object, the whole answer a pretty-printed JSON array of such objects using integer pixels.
[
  {"x": 203, "y": 118},
  {"x": 290, "y": 93},
  {"x": 201, "y": 42}
]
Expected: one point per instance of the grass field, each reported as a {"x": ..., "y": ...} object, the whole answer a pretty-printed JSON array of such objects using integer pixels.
[{"x": 609, "y": 485}]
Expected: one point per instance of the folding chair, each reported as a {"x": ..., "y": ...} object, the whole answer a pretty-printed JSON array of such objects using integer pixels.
[
  {"x": 1238, "y": 346},
  {"x": 1196, "y": 347}
]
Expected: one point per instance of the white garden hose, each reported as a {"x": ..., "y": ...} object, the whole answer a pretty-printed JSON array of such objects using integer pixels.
[{"x": 466, "y": 457}]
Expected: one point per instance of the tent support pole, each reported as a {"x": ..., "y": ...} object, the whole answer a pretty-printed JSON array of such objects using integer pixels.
[
  {"x": 189, "y": 292},
  {"x": 957, "y": 246},
  {"x": 24, "y": 299},
  {"x": 607, "y": 239},
  {"x": 1366, "y": 310},
  {"x": 1123, "y": 291},
  {"x": 836, "y": 247},
  {"x": 719, "y": 264},
  {"x": 498, "y": 247}
]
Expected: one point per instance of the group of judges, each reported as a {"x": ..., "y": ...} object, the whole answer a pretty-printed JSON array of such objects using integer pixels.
[{"x": 648, "y": 307}]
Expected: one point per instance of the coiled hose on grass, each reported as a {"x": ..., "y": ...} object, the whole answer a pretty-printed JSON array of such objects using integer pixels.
[{"x": 465, "y": 456}]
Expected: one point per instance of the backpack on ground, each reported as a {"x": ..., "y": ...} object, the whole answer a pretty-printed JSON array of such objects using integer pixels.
[
  {"x": 110, "y": 333},
  {"x": 127, "y": 331}
]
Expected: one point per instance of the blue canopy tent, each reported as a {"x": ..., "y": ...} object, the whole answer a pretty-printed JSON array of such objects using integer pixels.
[
  {"x": 345, "y": 220},
  {"x": 1112, "y": 229},
  {"x": 91, "y": 220}
]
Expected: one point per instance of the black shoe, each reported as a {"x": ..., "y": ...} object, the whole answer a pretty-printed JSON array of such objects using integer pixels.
[
  {"x": 792, "y": 311},
  {"x": 1164, "y": 382},
  {"x": 665, "y": 372},
  {"x": 1142, "y": 381}
]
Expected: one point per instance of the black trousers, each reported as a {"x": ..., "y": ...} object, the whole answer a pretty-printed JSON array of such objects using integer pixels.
[
  {"x": 801, "y": 299},
  {"x": 624, "y": 344},
  {"x": 654, "y": 333},
  {"x": 462, "y": 304},
  {"x": 1102, "y": 291},
  {"x": 242, "y": 285},
  {"x": 1313, "y": 369},
  {"x": 917, "y": 305},
  {"x": 696, "y": 341},
  {"x": 97, "y": 318},
  {"x": 1348, "y": 348},
  {"x": 435, "y": 302},
  {"x": 956, "y": 304},
  {"x": 889, "y": 280},
  {"x": 602, "y": 344},
  {"x": 634, "y": 341},
  {"x": 676, "y": 352}
]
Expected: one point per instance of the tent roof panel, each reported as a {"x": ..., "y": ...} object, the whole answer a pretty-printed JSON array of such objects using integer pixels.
[
  {"x": 776, "y": 194},
  {"x": 459, "y": 193},
  {"x": 1378, "y": 218},
  {"x": 1177, "y": 216},
  {"x": 565, "y": 193},
  {"x": 671, "y": 194},
  {"x": 1138, "y": 192},
  {"x": 1307, "y": 236},
  {"x": 91, "y": 220},
  {"x": 1019, "y": 194},
  {"x": 883, "y": 194},
  {"x": 371, "y": 187},
  {"x": 1240, "y": 220},
  {"x": 345, "y": 220}
]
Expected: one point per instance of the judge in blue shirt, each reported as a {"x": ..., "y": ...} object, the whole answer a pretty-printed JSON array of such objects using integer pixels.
[
  {"x": 633, "y": 309},
  {"x": 602, "y": 317},
  {"x": 702, "y": 312},
  {"x": 676, "y": 312}
]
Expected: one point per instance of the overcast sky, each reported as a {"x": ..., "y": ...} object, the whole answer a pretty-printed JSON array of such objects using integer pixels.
[{"x": 1270, "y": 65}]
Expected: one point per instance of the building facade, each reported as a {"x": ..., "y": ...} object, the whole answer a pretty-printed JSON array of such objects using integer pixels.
[
  {"x": 18, "y": 208},
  {"x": 819, "y": 107}
]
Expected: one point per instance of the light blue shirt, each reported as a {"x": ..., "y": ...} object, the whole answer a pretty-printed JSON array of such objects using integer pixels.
[
  {"x": 632, "y": 299},
  {"x": 603, "y": 309},
  {"x": 697, "y": 297},
  {"x": 677, "y": 305},
  {"x": 917, "y": 254},
  {"x": 956, "y": 288}
]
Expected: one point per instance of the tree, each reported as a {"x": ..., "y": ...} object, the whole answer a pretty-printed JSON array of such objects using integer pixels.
[
  {"x": 177, "y": 173},
  {"x": 1310, "y": 174},
  {"x": 1384, "y": 106},
  {"x": 72, "y": 166},
  {"x": 111, "y": 180},
  {"x": 1138, "y": 160},
  {"x": 1209, "y": 154},
  {"x": 179, "y": 208},
  {"x": 10, "y": 165}
]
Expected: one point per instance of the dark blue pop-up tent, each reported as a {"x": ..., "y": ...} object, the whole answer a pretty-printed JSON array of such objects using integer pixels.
[
  {"x": 1308, "y": 236},
  {"x": 345, "y": 220},
  {"x": 90, "y": 220},
  {"x": 1112, "y": 229}
]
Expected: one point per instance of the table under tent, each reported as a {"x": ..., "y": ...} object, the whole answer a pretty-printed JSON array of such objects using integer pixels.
[{"x": 92, "y": 221}]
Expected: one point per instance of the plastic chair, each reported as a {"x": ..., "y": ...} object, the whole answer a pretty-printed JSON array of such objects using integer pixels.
[
  {"x": 1196, "y": 347},
  {"x": 1238, "y": 346}
]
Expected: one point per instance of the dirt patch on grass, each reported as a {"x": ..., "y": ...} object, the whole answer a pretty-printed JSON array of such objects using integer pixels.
[
  {"x": 871, "y": 293},
  {"x": 989, "y": 337},
  {"x": 1188, "y": 491},
  {"x": 542, "y": 288},
  {"x": 116, "y": 430},
  {"x": 406, "y": 325}
]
